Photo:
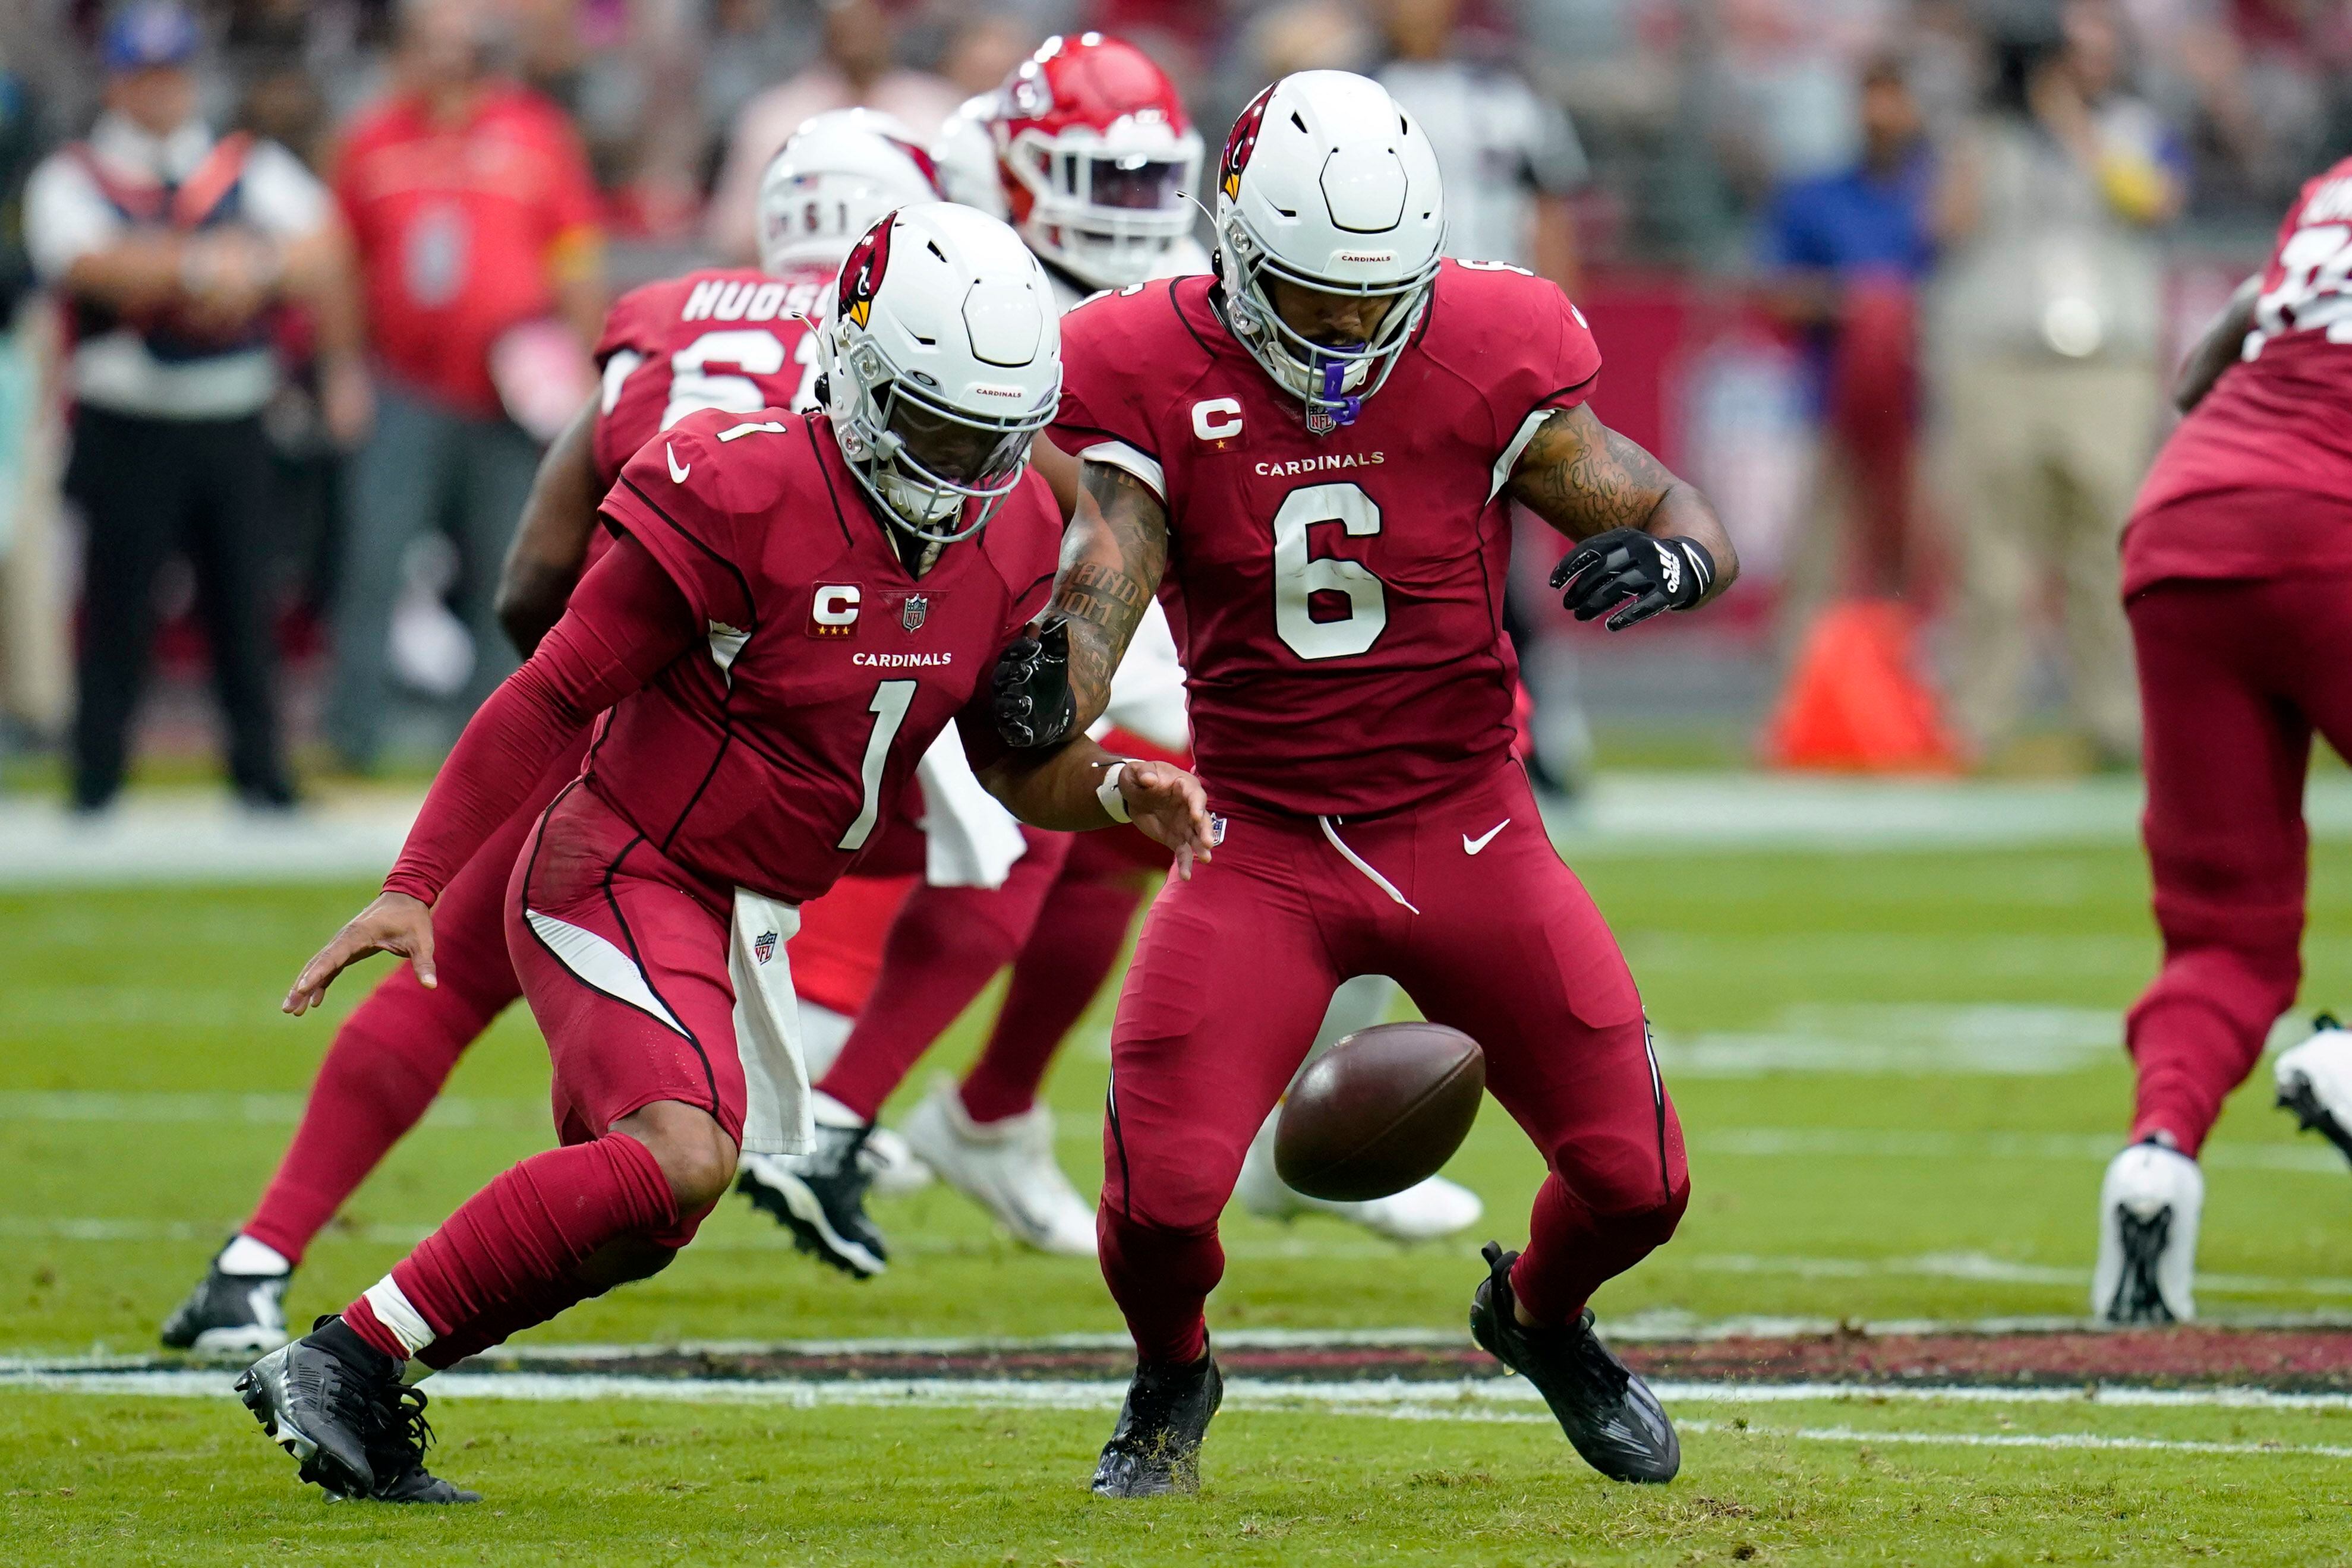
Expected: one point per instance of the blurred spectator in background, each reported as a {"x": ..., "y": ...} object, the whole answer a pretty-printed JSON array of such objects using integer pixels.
[
  {"x": 34, "y": 687},
  {"x": 1508, "y": 157},
  {"x": 1842, "y": 255},
  {"x": 478, "y": 234},
  {"x": 2046, "y": 338},
  {"x": 170, "y": 247},
  {"x": 858, "y": 69}
]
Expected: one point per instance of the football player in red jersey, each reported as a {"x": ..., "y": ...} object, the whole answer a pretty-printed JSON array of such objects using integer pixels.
[
  {"x": 2237, "y": 567},
  {"x": 1316, "y": 451},
  {"x": 728, "y": 338},
  {"x": 1087, "y": 149},
  {"x": 792, "y": 609}
]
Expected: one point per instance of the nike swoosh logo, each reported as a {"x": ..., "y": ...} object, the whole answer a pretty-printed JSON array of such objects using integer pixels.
[
  {"x": 677, "y": 473},
  {"x": 1471, "y": 846}
]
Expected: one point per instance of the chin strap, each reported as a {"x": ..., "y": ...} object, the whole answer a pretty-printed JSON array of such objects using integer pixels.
[{"x": 1335, "y": 407}]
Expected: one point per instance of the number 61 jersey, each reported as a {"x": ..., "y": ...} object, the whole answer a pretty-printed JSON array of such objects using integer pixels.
[
  {"x": 1338, "y": 599},
  {"x": 727, "y": 339}
]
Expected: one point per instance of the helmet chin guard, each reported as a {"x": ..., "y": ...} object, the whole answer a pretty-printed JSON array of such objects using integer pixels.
[
  {"x": 941, "y": 359},
  {"x": 1326, "y": 184}
]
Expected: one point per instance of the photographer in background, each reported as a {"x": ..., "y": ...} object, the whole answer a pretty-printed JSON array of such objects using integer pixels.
[
  {"x": 2046, "y": 326},
  {"x": 171, "y": 248}
]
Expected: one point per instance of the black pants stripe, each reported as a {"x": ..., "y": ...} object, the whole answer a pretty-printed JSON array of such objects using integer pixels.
[{"x": 147, "y": 487}]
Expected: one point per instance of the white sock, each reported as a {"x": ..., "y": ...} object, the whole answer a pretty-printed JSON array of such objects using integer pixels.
[
  {"x": 395, "y": 1312},
  {"x": 828, "y": 1112},
  {"x": 244, "y": 1255}
]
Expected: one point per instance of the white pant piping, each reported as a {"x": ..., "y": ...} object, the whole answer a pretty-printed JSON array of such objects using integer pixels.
[{"x": 1383, "y": 884}]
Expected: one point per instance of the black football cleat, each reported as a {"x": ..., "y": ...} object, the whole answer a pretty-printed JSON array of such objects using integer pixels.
[
  {"x": 338, "y": 1406},
  {"x": 397, "y": 1438},
  {"x": 230, "y": 1314},
  {"x": 1607, "y": 1411},
  {"x": 820, "y": 1197},
  {"x": 1155, "y": 1449},
  {"x": 321, "y": 1407}
]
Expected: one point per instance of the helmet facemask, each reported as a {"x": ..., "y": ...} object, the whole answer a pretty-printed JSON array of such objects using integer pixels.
[
  {"x": 936, "y": 472},
  {"x": 1106, "y": 216},
  {"x": 1332, "y": 381}
]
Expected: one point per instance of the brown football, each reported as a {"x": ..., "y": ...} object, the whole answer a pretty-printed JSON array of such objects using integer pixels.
[{"x": 1382, "y": 1110}]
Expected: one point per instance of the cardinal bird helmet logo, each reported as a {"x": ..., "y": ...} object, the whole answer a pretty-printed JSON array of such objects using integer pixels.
[
  {"x": 861, "y": 275},
  {"x": 1240, "y": 145}
]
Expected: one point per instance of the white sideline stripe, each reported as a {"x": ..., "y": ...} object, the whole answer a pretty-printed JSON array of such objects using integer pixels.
[
  {"x": 2023, "y": 1440},
  {"x": 257, "y": 1110},
  {"x": 1499, "y": 1401},
  {"x": 1764, "y": 1142},
  {"x": 191, "y": 836},
  {"x": 1977, "y": 1267},
  {"x": 601, "y": 964},
  {"x": 1984, "y": 1268}
]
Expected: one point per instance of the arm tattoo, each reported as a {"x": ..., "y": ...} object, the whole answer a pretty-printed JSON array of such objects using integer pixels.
[
  {"x": 1584, "y": 478},
  {"x": 1112, "y": 557}
]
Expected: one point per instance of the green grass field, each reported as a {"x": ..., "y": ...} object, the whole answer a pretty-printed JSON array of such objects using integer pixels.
[{"x": 1898, "y": 1073}]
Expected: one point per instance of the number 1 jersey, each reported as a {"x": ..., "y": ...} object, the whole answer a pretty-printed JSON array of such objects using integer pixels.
[
  {"x": 2257, "y": 482},
  {"x": 769, "y": 755},
  {"x": 1338, "y": 598}
]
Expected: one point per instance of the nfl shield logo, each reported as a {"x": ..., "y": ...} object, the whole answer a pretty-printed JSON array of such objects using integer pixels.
[
  {"x": 912, "y": 612},
  {"x": 1319, "y": 423},
  {"x": 764, "y": 948}
]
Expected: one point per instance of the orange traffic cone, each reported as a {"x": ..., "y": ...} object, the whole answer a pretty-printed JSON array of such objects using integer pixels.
[{"x": 1853, "y": 703}]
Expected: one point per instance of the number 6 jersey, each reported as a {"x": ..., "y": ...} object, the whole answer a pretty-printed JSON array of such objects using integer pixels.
[
  {"x": 2257, "y": 482},
  {"x": 1338, "y": 599}
]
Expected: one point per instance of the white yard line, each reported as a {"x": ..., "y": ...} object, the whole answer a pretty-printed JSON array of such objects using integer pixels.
[
  {"x": 195, "y": 836},
  {"x": 1508, "y": 1401}
]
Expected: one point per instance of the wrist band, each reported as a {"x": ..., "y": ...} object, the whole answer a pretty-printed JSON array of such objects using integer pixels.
[{"x": 1107, "y": 793}]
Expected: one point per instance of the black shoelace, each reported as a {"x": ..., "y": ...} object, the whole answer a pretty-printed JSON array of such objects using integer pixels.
[
  {"x": 2137, "y": 1298},
  {"x": 396, "y": 1424}
]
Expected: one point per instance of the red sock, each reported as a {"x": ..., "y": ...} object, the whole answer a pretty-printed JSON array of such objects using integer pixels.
[
  {"x": 1573, "y": 1251},
  {"x": 945, "y": 946},
  {"x": 1071, "y": 949},
  {"x": 1162, "y": 1280},
  {"x": 385, "y": 1068},
  {"x": 509, "y": 1258}
]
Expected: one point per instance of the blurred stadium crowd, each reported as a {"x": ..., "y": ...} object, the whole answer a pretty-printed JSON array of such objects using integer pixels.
[{"x": 1898, "y": 280}]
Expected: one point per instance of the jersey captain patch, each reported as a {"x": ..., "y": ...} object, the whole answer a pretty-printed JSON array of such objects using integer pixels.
[{"x": 832, "y": 609}]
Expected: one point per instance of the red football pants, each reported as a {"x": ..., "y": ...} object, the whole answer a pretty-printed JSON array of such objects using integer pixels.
[
  {"x": 2234, "y": 679},
  {"x": 1236, "y": 969},
  {"x": 945, "y": 946},
  {"x": 392, "y": 1054}
]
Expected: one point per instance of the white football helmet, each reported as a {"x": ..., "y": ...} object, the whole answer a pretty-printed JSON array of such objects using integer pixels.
[
  {"x": 964, "y": 153},
  {"x": 942, "y": 357},
  {"x": 825, "y": 186},
  {"x": 1325, "y": 182}
]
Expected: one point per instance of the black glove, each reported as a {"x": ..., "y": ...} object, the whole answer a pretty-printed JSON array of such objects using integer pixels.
[
  {"x": 1628, "y": 564},
  {"x": 1035, "y": 705}
]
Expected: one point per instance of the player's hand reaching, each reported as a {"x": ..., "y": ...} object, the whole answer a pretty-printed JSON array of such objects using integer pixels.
[
  {"x": 1633, "y": 573},
  {"x": 394, "y": 922},
  {"x": 1035, "y": 705},
  {"x": 1171, "y": 809}
]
